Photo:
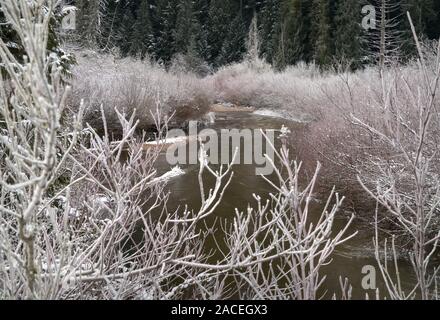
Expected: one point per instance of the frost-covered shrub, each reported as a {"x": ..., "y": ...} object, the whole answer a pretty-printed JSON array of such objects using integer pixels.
[
  {"x": 108, "y": 233},
  {"x": 186, "y": 63},
  {"x": 59, "y": 58},
  {"x": 129, "y": 84}
]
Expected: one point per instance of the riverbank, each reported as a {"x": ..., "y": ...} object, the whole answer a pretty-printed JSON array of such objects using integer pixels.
[{"x": 350, "y": 126}]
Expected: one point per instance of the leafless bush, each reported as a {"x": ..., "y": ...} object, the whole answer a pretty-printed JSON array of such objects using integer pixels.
[
  {"x": 408, "y": 185},
  {"x": 83, "y": 216},
  {"x": 130, "y": 84},
  {"x": 378, "y": 123},
  {"x": 35, "y": 146},
  {"x": 257, "y": 84},
  {"x": 285, "y": 222},
  {"x": 187, "y": 63}
]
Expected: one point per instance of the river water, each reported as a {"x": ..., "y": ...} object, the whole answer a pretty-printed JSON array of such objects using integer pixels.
[{"x": 348, "y": 260}]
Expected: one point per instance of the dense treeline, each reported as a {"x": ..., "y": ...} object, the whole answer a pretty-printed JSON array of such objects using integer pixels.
[{"x": 215, "y": 31}]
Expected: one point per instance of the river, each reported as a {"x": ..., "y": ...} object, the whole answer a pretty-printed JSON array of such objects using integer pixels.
[{"x": 348, "y": 260}]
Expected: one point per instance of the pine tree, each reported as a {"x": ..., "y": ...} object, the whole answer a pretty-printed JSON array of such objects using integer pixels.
[
  {"x": 423, "y": 16},
  {"x": 194, "y": 62},
  {"x": 111, "y": 24},
  {"x": 234, "y": 45},
  {"x": 164, "y": 34},
  {"x": 142, "y": 36},
  {"x": 126, "y": 31},
  {"x": 253, "y": 45},
  {"x": 294, "y": 43},
  {"x": 199, "y": 35},
  {"x": 90, "y": 15},
  {"x": 321, "y": 34},
  {"x": 184, "y": 26},
  {"x": 348, "y": 32},
  {"x": 199, "y": 41},
  {"x": 422, "y": 13},
  {"x": 291, "y": 30},
  {"x": 270, "y": 26},
  {"x": 387, "y": 42},
  {"x": 217, "y": 29}
]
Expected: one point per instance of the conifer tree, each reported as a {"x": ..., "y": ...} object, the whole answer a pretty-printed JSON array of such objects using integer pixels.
[
  {"x": 90, "y": 15},
  {"x": 142, "y": 36},
  {"x": 234, "y": 44},
  {"x": 199, "y": 36},
  {"x": 424, "y": 16},
  {"x": 127, "y": 31},
  {"x": 294, "y": 43},
  {"x": 386, "y": 43},
  {"x": 422, "y": 13},
  {"x": 253, "y": 41},
  {"x": 217, "y": 29},
  {"x": 270, "y": 26},
  {"x": 184, "y": 26},
  {"x": 348, "y": 32},
  {"x": 165, "y": 25},
  {"x": 321, "y": 33},
  {"x": 199, "y": 41},
  {"x": 291, "y": 30}
]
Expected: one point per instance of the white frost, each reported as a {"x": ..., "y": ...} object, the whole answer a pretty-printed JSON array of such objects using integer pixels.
[
  {"x": 268, "y": 113},
  {"x": 168, "y": 141},
  {"x": 173, "y": 173}
]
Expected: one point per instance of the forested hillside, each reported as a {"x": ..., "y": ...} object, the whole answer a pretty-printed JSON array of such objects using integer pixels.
[{"x": 215, "y": 31}]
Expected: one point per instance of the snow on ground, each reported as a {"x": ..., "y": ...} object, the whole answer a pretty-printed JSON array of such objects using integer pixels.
[
  {"x": 304, "y": 118},
  {"x": 175, "y": 140},
  {"x": 173, "y": 173},
  {"x": 210, "y": 117},
  {"x": 268, "y": 113}
]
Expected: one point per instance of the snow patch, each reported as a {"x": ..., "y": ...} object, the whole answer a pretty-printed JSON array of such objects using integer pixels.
[
  {"x": 175, "y": 140},
  {"x": 173, "y": 173},
  {"x": 304, "y": 118},
  {"x": 74, "y": 213},
  {"x": 268, "y": 113},
  {"x": 210, "y": 117}
]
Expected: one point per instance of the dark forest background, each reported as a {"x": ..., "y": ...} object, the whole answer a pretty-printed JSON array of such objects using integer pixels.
[{"x": 215, "y": 32}]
